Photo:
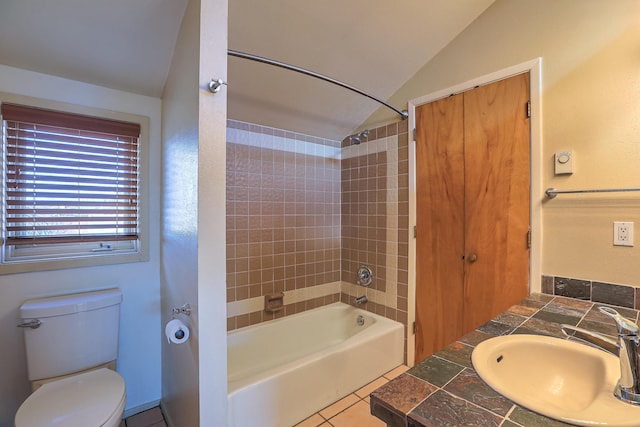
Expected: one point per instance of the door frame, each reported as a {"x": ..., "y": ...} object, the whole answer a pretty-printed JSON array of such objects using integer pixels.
[{"x": 534, "y": 67}]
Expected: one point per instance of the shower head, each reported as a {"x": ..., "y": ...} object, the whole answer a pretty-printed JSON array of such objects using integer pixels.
[{"x": 357, "y": 138}]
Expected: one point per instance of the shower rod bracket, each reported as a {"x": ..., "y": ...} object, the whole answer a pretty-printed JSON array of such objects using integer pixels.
[
  {"x": 215, "y": 85},
  {"x": 404, "y": 114}
]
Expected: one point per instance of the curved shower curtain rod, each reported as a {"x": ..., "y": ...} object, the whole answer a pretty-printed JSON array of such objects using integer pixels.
[{"x": 403, "y": 114}]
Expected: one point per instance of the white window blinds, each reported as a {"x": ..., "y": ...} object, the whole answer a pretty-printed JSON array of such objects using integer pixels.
[{"x": 68, "y": 178}]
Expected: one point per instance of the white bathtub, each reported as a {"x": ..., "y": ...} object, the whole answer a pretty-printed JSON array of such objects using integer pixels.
[{"x": 282, "y": 371}]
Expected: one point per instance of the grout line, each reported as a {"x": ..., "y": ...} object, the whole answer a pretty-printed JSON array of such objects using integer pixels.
[
  {"x": 346, "y": 408},
  {"x": 502, "y": 417},
  {"x": 507, "y": 417}
]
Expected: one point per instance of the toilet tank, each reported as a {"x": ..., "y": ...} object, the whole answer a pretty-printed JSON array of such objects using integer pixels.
[{"x": 78, "y": 331}]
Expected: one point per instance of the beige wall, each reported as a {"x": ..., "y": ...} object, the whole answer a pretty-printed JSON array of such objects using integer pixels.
[
  {"x": 212, "y": 116},
  {"x": 194, "y": 374},
  {"x": 179, "y": 245},
  {"x": 590, "y": 91}
]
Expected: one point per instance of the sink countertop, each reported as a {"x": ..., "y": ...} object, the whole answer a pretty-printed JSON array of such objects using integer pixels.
[{"x": 444, "y": 389}]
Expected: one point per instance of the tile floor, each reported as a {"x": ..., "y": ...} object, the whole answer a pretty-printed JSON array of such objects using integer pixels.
[
  {"x": 351, "y": 411},
  {"x": 150, "y": 418}
]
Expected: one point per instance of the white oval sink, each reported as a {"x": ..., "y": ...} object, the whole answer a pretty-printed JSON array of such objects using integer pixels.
[{"x": 560, "y": 379}]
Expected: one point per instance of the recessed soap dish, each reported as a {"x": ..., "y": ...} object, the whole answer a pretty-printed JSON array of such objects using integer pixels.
[{"x": 274, "y": 302}]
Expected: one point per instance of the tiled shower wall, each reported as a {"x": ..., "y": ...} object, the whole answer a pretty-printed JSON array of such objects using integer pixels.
[
  {"x": 283, "y": 221},
  {"x": 375, "y": 219},
  {"x": 288, "y": 195}
]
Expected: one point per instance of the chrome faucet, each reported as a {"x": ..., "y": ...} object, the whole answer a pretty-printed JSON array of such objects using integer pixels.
[
  {"x": 361, "y": 300},
  {"x": 626, "y": 347}
]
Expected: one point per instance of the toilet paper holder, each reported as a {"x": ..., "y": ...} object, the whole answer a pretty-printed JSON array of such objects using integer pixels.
[{"x": 185, "y": 309}]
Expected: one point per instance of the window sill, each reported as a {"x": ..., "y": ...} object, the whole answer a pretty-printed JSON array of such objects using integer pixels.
[{"x": 14, "y": 267}]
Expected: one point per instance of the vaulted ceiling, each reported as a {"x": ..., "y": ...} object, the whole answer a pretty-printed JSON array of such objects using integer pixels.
[
  {"x": 121, "y": 44},
  {"x": 375, "y": 46}
]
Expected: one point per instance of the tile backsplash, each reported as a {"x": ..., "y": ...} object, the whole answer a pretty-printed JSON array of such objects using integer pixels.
[{"x": 589, "y": 290}]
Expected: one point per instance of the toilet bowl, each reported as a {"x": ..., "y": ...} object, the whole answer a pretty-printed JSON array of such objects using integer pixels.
[
  {"x": 69, "y": 341},
  {"x": 90, "y": 399}
]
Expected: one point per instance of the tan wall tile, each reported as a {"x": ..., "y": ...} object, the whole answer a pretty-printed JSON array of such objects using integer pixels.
[{"x": 296, "y": 221}]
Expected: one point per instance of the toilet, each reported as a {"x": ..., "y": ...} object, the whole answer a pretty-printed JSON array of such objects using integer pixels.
[{"x": 71, "y": 345}]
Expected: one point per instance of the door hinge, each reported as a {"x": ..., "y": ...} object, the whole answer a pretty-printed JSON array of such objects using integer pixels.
[
  {"x": 415, "y": 328},
  {"x": 415, "y": 231},
  {"x": 528, "y": 109},
  {"x": 529, "y": 238},
  {"x": 414, "y": 134}
]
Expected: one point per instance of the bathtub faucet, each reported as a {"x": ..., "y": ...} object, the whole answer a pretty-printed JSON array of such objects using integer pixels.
[
  {"x": 626, "y": 347},
  {"x": 361, "y": 300}
]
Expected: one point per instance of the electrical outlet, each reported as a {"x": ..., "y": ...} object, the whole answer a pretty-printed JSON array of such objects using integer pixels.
[{"x": 622, "y": 233}]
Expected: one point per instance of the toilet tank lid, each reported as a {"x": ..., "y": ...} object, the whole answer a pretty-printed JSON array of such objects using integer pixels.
[{"x": 71, "y": 303}]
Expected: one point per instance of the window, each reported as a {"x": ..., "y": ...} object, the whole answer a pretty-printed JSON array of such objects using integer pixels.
[{"x": 71, "y": 185}]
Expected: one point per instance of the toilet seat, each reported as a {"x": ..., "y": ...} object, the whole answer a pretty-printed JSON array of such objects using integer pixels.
[{"x": 91, "y": 399}]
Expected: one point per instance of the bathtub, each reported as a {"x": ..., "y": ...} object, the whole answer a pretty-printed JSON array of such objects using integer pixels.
[{"x": 281, "y": 372}]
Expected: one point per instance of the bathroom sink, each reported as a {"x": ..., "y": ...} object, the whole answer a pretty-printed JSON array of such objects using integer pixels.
[{"x": 560, "y": 379}]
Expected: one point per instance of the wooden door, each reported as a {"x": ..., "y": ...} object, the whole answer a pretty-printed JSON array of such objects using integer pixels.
[
  {"x": 472, "y": 188},
  {"x": 440, "y": 224},
  {"x": 497, "y": 183}
]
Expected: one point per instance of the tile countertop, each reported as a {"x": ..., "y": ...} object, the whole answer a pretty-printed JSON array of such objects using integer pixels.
[{"x": 444, "y": 389}]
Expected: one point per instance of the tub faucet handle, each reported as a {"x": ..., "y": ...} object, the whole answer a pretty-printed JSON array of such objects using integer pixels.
[{"x": 365, "y": 275}]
